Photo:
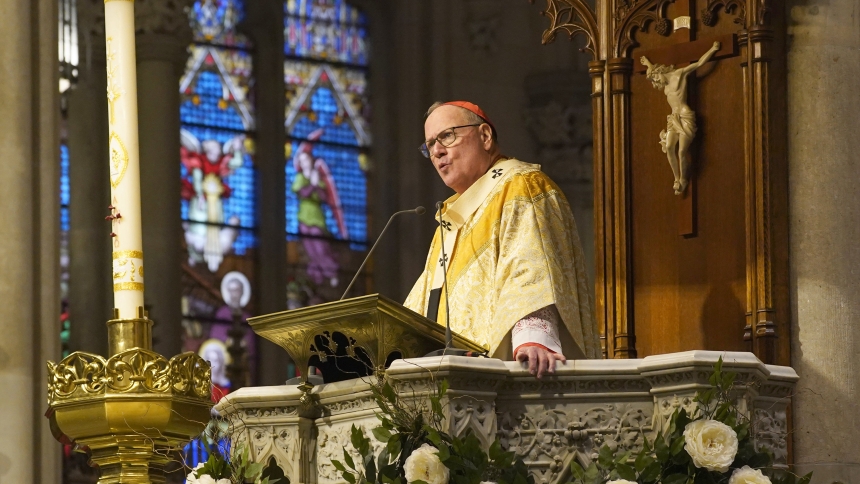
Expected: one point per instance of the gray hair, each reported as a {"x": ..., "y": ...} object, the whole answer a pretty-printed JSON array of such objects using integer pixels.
[{"x": 471, "y": 117}]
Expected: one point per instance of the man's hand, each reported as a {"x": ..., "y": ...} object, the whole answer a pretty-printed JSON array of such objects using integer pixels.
[{"x": 540, "y": 360}]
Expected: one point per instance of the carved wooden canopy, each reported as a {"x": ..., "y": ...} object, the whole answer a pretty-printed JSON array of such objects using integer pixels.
[{"x": 721, "y": 285}]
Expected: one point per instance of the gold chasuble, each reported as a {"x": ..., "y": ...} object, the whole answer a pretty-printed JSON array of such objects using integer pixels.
[{"x": 512, "y": 249}]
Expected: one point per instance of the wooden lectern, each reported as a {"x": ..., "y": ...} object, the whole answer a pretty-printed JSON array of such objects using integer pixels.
[{"x": 371, "y": 329}]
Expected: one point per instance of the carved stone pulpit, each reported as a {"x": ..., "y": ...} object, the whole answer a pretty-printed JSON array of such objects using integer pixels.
[{"x": 548, "y": 422}]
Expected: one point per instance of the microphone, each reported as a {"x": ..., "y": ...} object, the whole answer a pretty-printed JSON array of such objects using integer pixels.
[
  {"x": 417, "y": 210},
  {"x": 449, "y": 349}
]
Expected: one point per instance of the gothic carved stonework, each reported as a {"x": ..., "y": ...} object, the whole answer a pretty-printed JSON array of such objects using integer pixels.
[
  {"x": 548, "y": 422},
  {"x": 770, "y": 431},
  {"x": 279, "y": 442},
  {"x": 348, "y": 406},
  {"x": 334, "y": 440},
  {"x": 548, "y": 439},
  {"x": 470, "y": 414},
  {"x": 167, "y": 17}
]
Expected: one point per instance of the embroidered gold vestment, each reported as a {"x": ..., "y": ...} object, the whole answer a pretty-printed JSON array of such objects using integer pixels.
[{"x": 512, "y": 248}]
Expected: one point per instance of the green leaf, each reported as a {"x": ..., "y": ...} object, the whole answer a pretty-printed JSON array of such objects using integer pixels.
[
  {"x": 389, "y": 393},
  {"x": 759, "y": 460},
  {"x": 625, "y": 472},
  {"x": 349, "y": 477},
  {"x": 605, "y": 457},
  {"x": 651, "y": 472},
  {"x": 394, "y": 445},
  {"x": 253, "y": 470},
  {"x": 338, "y": 465},
  {"x": 348, "y": 459},
  {"x": 642, "y": 461},
  {"x": 592, "y": 473},
  {"x": 444, "y": 452},
  {"x": 356, "y": 437},
  {"x": 577, "y": 470},
  {"x": 370, "y": 467},
  {"x": 623, "y": 457},
  {"x": 433, "y": 436},
  {"x": 728, "y": 380},
  {"x": 675, "y": 479},
  {"x": 443, "y": 388},
  {"x": 677, "y": 446},
  {"x": 805, "y": 479},
  {"x": 661, "y": 449},
  {"x": 382, "y": 434}
]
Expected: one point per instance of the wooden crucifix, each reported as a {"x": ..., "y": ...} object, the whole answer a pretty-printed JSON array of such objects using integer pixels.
[{"x": 668, "y": 68}]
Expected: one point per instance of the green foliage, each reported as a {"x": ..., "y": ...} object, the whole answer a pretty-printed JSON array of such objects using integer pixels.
[
  {"x": 237, "y": 467},
  {"x": 665, "y": 459},
  {"x": 407, "y": 424}
]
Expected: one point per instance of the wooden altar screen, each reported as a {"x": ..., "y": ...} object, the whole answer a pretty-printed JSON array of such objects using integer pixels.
[{"x": 707, "y": 269}]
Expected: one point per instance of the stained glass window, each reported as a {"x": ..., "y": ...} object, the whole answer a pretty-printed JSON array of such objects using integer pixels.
[
  {"x": 64, "y": 247},
  {"x": 327, "y": 153},
  {"x": 218, "y": 182}
]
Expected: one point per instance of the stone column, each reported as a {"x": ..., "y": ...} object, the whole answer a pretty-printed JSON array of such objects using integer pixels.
[
  {"x": 90, "y": 297},
  {"x": 29, "y": 248},
  {"x": 162, "y": 42},
  {"x": 823, "y": 66},
  {"x": 265, "y": 26}
]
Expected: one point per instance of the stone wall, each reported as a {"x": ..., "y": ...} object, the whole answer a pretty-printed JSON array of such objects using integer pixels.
[{"x": 823, "y": 102}]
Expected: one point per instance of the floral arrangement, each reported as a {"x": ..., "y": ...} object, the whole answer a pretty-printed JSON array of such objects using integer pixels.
[
  {"x": 224, "y": 466},
  {"x": 417, "y": 451},
  {"x": 711, "y": 446}
]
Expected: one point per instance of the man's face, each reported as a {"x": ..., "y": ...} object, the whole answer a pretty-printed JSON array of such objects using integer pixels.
[
  {"x": 468, "y": 158},
  {"x": 235, "y": 290}
]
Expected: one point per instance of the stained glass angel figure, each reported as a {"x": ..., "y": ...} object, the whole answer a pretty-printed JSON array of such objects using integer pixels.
[{"x": 315, "y": 186}]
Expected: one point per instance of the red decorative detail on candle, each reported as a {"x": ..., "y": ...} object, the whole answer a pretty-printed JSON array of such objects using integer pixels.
[{"x": 112, "y": 234}]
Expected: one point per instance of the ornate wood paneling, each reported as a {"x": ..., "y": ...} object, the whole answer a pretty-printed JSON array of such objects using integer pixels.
[{"x": 724, "y": 284}]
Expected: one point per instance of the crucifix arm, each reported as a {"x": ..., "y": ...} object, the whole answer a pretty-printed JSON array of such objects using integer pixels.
[{"x": 703, "y": 60}]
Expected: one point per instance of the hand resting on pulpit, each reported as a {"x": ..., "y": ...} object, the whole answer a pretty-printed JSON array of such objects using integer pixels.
[{"x": 540, "y": 360}]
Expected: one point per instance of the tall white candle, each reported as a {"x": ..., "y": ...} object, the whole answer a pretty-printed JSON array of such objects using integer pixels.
[{"x": 124, "y": 158}]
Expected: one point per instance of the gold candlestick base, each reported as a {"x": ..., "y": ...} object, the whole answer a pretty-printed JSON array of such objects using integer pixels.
[{"x": 130, "y": 411}]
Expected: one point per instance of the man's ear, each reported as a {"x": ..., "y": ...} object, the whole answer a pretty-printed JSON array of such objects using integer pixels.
[{"x": 486, "y": 135}]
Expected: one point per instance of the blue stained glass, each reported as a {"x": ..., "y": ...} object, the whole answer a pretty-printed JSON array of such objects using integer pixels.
[
  {"x": 64, "y": 176},
  {"x": 326, "y": 30},
  {"x": 325, "y": 109},
  {"x": 215, "y": 89},
  {"x": 64, "y": 219},
  {"x": 339, "y": 11},
  {"x": 215, "y": 21},
  {"x": 235, "y": 170},
  {"x": 351, "y": 183}
]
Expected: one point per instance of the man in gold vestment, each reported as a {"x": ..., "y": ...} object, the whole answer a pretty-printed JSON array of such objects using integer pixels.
[{"x": 515, "y": 269}]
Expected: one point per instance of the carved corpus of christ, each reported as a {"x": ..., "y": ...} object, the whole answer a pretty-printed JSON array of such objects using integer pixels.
[{"x": 681, "y": 124}]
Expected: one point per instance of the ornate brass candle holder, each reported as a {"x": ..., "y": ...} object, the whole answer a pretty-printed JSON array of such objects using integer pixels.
[{"x": 131, "y": 411}]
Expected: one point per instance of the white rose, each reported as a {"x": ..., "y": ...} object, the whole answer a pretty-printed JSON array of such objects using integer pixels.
[
  {"x": 223, "y": 481},
  {"x": 711, "y": 444},
  {"x": 206, "y": 479},
  {"x": 424, "y": 465},
  {"x": 620, "y": 481},
  {"x": 746, "y": 475}
]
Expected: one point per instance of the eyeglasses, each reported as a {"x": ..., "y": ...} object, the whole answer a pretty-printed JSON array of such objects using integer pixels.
[{"x": 446, "y": 138}]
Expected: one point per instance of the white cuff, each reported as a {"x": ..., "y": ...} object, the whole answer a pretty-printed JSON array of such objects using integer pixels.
[{"x": 539, "y": 327}]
